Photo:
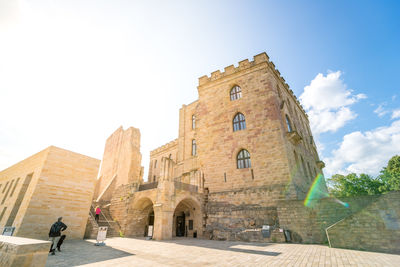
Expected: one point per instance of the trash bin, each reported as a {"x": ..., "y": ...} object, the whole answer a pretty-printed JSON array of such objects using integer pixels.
[
  {"x": 266, "y": 231},
  {"x": 288, "y": 235},
  {"x": 195, "y": 234}
]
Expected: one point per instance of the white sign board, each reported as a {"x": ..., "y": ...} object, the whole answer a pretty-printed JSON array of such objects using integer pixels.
[
  {"x": 150, "y": 232},
  {"x": 101, "y": 234},
  {"x": 8, "y": 230},
  {"x": 265, "y": 227}
]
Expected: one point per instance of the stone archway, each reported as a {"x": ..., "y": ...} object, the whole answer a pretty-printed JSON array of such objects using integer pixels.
[
  {"x": 187, "y": 219},
  {"x": 143, "y": 216}
]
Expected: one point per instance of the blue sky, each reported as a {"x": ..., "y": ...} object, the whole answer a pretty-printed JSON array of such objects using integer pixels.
[{"x": 71, "y": 72}]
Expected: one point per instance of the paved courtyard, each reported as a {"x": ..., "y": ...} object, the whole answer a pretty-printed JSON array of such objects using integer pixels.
[{"x": 197, "y": 252}]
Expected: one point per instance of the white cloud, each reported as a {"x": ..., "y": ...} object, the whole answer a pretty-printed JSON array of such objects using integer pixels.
[
  {"x": 365, "y": 152},
  {"x": 327, "y": 102},
  {"x": 396, "y": 114},
  {"x": 380, "y": 110}
]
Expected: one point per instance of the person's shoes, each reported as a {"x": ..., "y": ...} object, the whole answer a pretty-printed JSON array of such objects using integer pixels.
[
  {"x": 58, "y": 249},
  {"x": 53, "y": 252}
]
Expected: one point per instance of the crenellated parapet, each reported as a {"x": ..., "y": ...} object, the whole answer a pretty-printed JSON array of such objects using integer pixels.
[
  {"x": 262, "y": 58},
  {"x": 164, "y": 147}
]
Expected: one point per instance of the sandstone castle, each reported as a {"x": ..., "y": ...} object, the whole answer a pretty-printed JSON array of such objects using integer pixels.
[{"x": 244, "y": 145}]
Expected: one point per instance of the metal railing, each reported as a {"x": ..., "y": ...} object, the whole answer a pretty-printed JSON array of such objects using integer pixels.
[
  {"x": 94, "y": 209},
  {"x": 148, "y": 186}
]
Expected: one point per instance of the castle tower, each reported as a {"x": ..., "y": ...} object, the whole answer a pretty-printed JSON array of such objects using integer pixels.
[
  {"x": 247, "y": 140},
  {"x": 121, "y": 162}
]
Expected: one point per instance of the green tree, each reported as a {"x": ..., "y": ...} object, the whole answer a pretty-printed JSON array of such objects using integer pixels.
[
  {"x": 364, "y": 184},
  {"x": 354, "y": 185},
  {"x": 390, "y": 175}
]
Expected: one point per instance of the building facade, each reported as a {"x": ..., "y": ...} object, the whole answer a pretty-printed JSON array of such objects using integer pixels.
[{"x": 242, "y": 146}]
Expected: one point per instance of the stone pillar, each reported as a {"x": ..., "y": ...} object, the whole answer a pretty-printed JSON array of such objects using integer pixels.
[
  {"x": 162, "y": 223},
  {"x": 164, "y": 210}
]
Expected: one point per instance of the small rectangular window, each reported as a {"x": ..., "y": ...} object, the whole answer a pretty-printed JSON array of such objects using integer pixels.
[{"x": 190, "y": 224}]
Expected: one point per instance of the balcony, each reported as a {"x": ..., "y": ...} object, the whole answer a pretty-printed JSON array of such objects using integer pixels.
[
  {"x": 294, "y": 137},
  {"x": 148, "y": 186},
  {"x": 186, "y": 187}
]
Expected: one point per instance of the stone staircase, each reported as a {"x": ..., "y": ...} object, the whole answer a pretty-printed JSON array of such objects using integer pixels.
[{"x": 105, "y": 219}]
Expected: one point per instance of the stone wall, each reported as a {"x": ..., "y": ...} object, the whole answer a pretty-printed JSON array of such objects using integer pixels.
[
  {"x": 65, "y": 188},
  {"x": 240, "y": 214},
  {"x": 54, "y": 183},
  {"x": 121, "y": 161},
  {"x": 308, "y": 224},
  {"x": 374, "y": 228}
]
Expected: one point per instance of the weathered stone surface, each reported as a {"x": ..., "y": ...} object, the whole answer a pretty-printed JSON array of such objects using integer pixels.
[
  {"x": 376, "y": 227},
  {"x": 120, "y": 164},
  {"x": 17, "y": 251}
]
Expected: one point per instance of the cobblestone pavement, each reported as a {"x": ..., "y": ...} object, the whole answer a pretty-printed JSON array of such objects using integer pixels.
[{"x": 197, "y": 252}]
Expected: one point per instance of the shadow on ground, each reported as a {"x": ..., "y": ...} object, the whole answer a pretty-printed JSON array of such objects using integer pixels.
[
  {"x": 79, "y": 252},
  {"x": 226, "y": 245}
]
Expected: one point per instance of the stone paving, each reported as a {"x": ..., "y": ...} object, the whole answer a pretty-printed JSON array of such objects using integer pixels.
[{"x": 198, "y": 252}]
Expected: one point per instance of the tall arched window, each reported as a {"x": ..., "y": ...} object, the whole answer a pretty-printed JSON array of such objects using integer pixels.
[
  {"x": 155, "y": 164},
  {"x": 309, "y": 170},
  {"x": 289, "y": 124},
  {"x": 239, "y": 122},
  {"x": 303, "y": 166},
  {"x": 193, "y": 121},
  {"x": 236, "y": 93},
  {"x": 194, "y": 148},
  {"x": 243, "y": 159}
]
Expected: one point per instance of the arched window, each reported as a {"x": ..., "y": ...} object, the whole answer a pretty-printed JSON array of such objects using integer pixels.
[
  {"x": 155, "y": 164},
  {"x": 303, "y": 166},
  {"x": 236, "y": 93},
  {"x": 288, "y": 123},
  {"x": 194, "y": 148},
  {"x": 239, "y": 122},
  {"x": 193, "y": 121},
  {"x": 309, "y": 170},
  {"x": 243, "y": 159},
  {"x": 170, "y": 156}
]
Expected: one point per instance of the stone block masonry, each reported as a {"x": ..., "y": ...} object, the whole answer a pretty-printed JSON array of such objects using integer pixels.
[
  {"x": 26, "y": 252},
  {"x": 374, "y": 228},
  {"x": 50, "y": 184}
]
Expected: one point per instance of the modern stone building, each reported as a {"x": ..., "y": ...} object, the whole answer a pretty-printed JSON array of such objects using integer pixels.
[
  {"x": 52, "y": 183},
  {"x": 242, "y": 146}
]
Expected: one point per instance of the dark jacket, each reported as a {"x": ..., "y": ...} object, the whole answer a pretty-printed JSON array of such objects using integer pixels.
[{"x": 56, "y": 228}]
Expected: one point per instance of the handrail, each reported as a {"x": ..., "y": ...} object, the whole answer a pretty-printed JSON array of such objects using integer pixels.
[
  {"x": 103, "y": 216},
  {"x": 326, "y": 229}
]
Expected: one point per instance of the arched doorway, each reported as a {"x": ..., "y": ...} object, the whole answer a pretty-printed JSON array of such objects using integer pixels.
[
  {"x": 187, "y": 221},
  {"x": 142, "y": 218}
]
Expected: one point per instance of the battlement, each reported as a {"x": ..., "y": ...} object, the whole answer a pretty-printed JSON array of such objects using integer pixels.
[
  {"x": 246, "y": 64},
  {"x": 164, "y": 147}
]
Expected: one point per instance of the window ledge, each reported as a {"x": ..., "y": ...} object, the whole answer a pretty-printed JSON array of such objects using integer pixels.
[{"x": 294, "y": 137}]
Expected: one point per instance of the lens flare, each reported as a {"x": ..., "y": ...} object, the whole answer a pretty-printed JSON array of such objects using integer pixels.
[{"x": 318, "y": 191}]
